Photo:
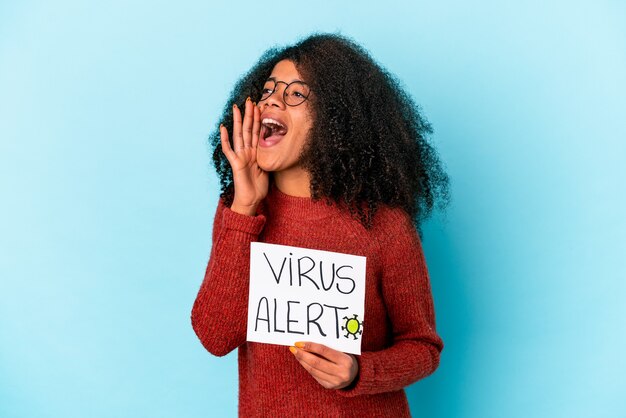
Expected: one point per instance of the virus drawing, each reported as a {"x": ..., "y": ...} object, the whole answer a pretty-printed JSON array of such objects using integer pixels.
[{"x": 352, "y": 326}]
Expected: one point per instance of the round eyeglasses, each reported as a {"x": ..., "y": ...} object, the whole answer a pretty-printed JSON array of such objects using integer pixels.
[{"x": 294, "y": 94}]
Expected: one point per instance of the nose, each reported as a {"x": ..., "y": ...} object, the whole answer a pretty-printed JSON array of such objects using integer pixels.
[{"x": 276, "y": 98}]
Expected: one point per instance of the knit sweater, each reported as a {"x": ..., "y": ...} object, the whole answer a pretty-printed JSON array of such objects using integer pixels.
[{"x": 399, "y": 344}]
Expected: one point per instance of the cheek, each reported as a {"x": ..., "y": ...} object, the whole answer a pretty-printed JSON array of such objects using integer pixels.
[
  {"x": 301, "y": 137},
  {"x": 302, "y": 127},
  {"x": 304, "y": 118}
]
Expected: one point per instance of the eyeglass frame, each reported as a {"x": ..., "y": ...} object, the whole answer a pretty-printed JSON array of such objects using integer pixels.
[{"x": 276, "y": 82}]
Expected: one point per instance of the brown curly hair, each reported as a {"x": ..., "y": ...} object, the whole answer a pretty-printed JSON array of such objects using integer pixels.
[{"x": 368, "y": 144}]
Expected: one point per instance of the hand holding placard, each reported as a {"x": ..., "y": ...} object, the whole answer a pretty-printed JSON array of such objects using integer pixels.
[{"x": 331, "y": 368}]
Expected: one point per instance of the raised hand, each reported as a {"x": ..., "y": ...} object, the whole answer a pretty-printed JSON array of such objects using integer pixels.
[{"x": 250, "y": 181}]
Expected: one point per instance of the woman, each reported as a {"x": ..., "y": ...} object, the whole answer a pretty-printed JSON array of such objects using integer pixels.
[{"x": 333, "y": 157}]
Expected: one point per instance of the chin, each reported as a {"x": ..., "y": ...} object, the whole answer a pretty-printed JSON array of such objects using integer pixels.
[{"x": 265, "y": 166}]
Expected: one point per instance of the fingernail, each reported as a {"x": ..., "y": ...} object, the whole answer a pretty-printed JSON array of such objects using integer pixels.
[
  {"x": 221, "y": 124},
  {"x": 248, "y": 99},
  {"x": 293, "y": 350},
  {"x": 234, "y": 106},
  {"x": 299, "y": 345}
]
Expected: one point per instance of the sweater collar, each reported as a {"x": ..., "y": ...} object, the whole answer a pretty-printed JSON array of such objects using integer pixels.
[{"x": 296, "y": 207}]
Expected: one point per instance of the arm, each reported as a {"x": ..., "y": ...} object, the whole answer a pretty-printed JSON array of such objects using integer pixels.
[
  {"x": 414, "y": 353},
  {"x": 218, "y": 315}
]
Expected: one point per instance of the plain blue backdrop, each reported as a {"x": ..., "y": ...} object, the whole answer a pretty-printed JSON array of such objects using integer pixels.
[{"x": 108, "y": 196}]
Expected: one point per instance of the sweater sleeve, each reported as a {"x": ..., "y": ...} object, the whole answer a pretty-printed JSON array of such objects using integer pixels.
[
  {"x": 218, "y": 315},
  {"x": 414, "y": 352}
]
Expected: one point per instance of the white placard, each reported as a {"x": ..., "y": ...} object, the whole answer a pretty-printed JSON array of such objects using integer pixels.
[{"x": 301, "y": 294}]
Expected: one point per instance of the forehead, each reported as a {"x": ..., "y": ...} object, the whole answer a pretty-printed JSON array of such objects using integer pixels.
[{"x": 285, "y": 70}]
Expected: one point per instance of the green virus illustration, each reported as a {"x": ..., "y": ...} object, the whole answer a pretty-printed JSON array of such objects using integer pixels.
[{"x": 352, "y": 326}]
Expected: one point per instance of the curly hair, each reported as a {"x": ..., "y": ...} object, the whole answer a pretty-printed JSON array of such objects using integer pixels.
[{"x": 368, "y": 143}]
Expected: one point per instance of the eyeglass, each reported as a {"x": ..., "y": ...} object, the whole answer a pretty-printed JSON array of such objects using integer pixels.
[{"x": 294, "y": 94}]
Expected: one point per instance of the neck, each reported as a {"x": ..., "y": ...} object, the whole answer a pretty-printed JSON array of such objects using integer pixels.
[{"x": 294, "y": 182}]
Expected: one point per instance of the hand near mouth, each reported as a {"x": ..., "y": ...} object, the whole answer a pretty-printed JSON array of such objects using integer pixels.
[{"x": 251, "y": 182}]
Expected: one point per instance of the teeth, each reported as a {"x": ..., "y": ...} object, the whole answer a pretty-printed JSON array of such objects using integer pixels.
[{"x": 269, "y": 121}]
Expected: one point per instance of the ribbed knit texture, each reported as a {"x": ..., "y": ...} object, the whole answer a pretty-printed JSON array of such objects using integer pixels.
[{"x": 400, "y": 344}]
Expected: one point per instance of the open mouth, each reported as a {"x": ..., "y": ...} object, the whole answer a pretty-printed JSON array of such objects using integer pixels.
[{"x": 272, "y": 130}]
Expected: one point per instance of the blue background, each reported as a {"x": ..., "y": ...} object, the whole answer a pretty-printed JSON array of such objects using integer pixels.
[{"x": 108, "y": 195}]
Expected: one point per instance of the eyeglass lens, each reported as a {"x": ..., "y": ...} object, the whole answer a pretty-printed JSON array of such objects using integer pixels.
[{"x": 295, "y": 92}]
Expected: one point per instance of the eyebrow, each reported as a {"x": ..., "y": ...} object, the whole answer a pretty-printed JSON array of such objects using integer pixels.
[{"x": 295, "y": 79}]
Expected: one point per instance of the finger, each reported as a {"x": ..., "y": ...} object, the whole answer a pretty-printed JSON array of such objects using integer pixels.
[
  {"x": 237, "y": 137},
  {"x": 256, "y": 127},
  {"x": 226, "y": 149},
  {"x": 324, "y": 383},
  {"x": 333, "y": 355},
  {"x": 325, "y": 379},
  {"x": 247, "y": 123},
  {"x": 316, "y": 362}
]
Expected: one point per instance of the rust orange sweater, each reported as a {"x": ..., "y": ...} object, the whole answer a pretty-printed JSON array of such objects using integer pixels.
[{"x": 400, "y": 344}]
